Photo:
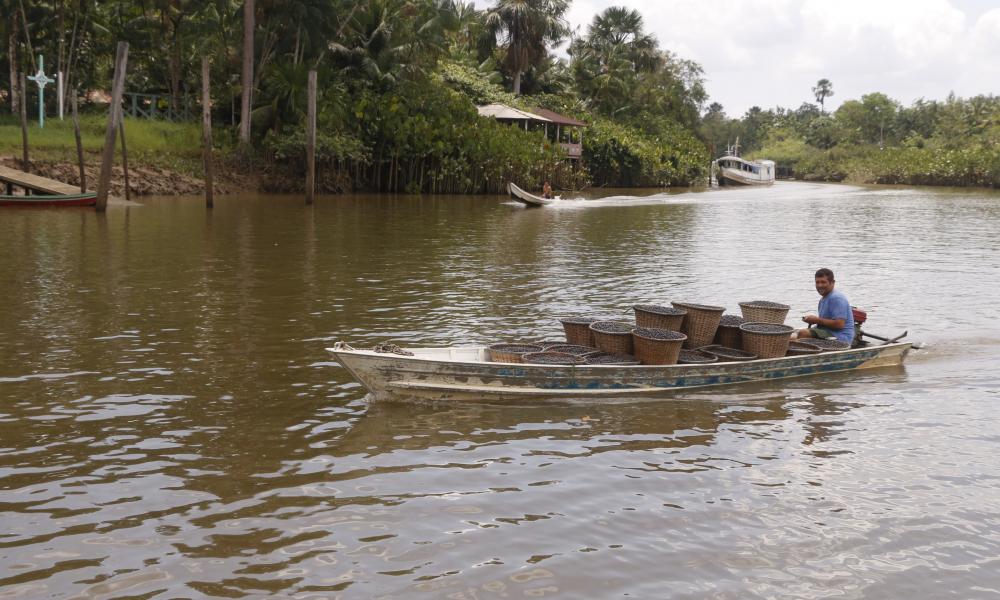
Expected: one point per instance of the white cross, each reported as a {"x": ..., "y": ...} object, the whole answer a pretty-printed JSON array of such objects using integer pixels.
[{"x": 42, "y": 80}]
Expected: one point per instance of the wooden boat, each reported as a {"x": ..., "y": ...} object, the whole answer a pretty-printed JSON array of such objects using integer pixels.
[
  {"x": 527, "y": 197},
  {"x": 731, "y": 169},
  {"x": 464, "y": 373},
  {"x": 85, "y": 199}
]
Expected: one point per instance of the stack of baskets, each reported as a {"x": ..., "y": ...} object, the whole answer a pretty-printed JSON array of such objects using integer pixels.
[
  {"x": 657, "y": 346},
  {"x": 613, "y": 337},
  {"x": 696, "y": 357},
  {"x": 829, "y": 345},
  {"x": 766, "y": 340},
  {"x": 553, "y": 358},
  {"x": 618, "y": 360},
  {"x": 658, "y": 317},
  {"x": 797, "y": 348},
  {"x": 764, "y": 311},
  {"x": 728, "y": 334},
  {"x": 574, "y": 349},
  {"x": 700, "y": 323},
  {"x": 728, "y": 354},
  {"x": 511, "y": 353},
  {"x": 578, "y": 330}
]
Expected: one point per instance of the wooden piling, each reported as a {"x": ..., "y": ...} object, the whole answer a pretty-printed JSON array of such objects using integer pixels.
[
  {"x": 121, "y": 131},
  {"x": 79, "y": 144},
  {"x": 206, "y": 131},
  {"x": 114, "y": 114},
  {"x": 24, "y": 126},
  {"x": 311, "y": 141}
]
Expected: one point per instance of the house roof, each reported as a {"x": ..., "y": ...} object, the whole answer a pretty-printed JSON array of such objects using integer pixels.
[
  {"x": 502, "y": 111},
  {"x": 558, "y": 118}
]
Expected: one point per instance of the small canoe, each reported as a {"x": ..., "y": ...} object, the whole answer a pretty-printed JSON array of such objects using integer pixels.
[
  {"x": 85, "y": 199},
  {"x": 464, "y": 373},
  {"x": 528, "y": 198}
]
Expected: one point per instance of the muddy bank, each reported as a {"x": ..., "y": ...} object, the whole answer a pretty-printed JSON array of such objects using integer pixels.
[
  {"x": 150, "y": 180},
  {"x": 143, "y": 180}
]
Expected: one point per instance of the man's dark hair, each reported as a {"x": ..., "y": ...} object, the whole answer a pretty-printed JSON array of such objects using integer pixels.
[{"x": 824, "y": 272}]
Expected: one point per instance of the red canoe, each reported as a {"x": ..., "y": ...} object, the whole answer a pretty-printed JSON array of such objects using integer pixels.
[{"x": 87, "y": 199}]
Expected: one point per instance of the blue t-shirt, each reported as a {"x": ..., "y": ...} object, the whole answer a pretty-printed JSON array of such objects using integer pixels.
[{"x": 835, "y": 306}]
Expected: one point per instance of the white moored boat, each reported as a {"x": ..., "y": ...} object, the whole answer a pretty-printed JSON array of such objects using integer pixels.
[
  {"x": 731, "y": 169},
  {"x": 464, "y": 373}
]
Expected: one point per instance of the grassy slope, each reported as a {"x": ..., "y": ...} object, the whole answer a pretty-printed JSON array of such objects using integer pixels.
[{"x": 174, "y": 146}]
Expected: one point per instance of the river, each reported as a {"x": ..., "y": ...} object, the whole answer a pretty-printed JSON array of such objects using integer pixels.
[{"x": 171, "y": 425}]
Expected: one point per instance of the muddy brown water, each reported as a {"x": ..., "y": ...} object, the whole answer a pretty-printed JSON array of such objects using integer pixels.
[{"x": 171, "y": 425}]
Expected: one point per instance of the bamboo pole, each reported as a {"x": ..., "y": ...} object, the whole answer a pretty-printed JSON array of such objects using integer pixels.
[
  {"x": 24, "y": 126},
  {"x": 311, "y": 141},
  {"x": 79, "y": 144},
  {"x": 121, "y": 130},
  {"x": 114, "y": 114},
  {"x": 206, "y": 131}
]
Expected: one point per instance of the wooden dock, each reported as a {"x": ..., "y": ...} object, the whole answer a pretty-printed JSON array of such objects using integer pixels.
[{"x": 35, "y": 184}]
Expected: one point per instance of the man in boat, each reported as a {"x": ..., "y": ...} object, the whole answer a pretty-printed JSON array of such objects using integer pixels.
[
  {"x": 835, "y": 319},
  {"x": 546, "y": 190}
]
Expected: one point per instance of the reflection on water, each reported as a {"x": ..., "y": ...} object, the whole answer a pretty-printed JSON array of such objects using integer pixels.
[{"x": 170, "y": 425}]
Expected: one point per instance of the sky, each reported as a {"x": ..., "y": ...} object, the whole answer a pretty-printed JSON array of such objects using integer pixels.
[{"x": 770, "y": 53}]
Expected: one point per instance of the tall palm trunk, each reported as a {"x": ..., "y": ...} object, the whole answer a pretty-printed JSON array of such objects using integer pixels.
[
  {"x": 248, "y": 28},
  {"x": 15, "y": 92},
  {"x": 517, "y": 83}
]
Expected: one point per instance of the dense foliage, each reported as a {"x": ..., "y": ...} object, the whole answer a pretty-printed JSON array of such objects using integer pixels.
[
  {"x": 874, "y": 140},
  {"x": 399, "y": 82}
]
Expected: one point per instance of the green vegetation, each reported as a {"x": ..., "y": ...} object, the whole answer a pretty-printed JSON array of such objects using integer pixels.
[
  {"x": 176, "y": 146},
  {"x": 399, "y": 82},
  {"x": 874, "y": 140}
]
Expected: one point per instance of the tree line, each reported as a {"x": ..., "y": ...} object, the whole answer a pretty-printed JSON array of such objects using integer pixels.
[
  {"x": 399, "y": 81},
  {"x": 874, "y": 139}
]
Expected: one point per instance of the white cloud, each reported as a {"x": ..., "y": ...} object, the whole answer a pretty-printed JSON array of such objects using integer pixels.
[{"x": 771, "y": 52}]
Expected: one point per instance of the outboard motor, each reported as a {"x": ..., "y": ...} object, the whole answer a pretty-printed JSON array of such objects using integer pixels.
[{"x": 860, "y": 317}]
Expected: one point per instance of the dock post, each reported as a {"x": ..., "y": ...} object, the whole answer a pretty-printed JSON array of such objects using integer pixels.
[
  {"x": 121, "y": 131},
  {"x": 79, "y": 144},
  {"x": 206, "y": 131},
  {"x": 114, "y": 114},
  {"x": 24, "y": 125},
  {"x": 311, "y": 141}
]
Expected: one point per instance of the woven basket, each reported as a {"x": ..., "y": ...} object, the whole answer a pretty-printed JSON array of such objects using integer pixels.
[
  {"x": 553, "y": 358},
  {"x": 613, "y": 337},
  {"x": 696, "y": 357},
  {"x": 763, "y": 311},
  {"x": 573, "y": 349},
  {"x": 658, "y": 317},
  {"x": 828, "y": 345},
  {"x": 728, "y": 334},
  {"x": 603, "y": 358},
  {"x": 766, "y": 340},
  {"x": 657, "y": 346},
  {"x": 796, "y": 348},
  {"x": 578, "y": 330},
  {"x": 728, "y": 354},
  {"x": 511, "y": 353},
  {"x": 700, "y": 323}
]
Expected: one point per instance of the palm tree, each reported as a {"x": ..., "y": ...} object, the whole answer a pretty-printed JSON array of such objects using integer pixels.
[
  {"x": 822, "y": 91},
  {"x": 247, "y": 76},
  {"x": 387, "y": 40},
  {"x": 610, "y": 59},
  {"x": 521, "y": 28}
]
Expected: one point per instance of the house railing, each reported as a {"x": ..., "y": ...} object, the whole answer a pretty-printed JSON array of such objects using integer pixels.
[{"x": 157, "y": 106}]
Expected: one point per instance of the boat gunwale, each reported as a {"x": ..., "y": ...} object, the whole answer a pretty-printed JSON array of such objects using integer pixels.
[{"x": 676, "y": 366}]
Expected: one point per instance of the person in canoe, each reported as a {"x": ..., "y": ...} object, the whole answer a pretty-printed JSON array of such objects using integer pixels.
[
  {"x": 835, "y": 319},
  {"x": 546, "y": 190}
]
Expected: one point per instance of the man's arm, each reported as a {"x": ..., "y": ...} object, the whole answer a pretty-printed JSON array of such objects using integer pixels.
[{"x": 828, "y": 323}]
